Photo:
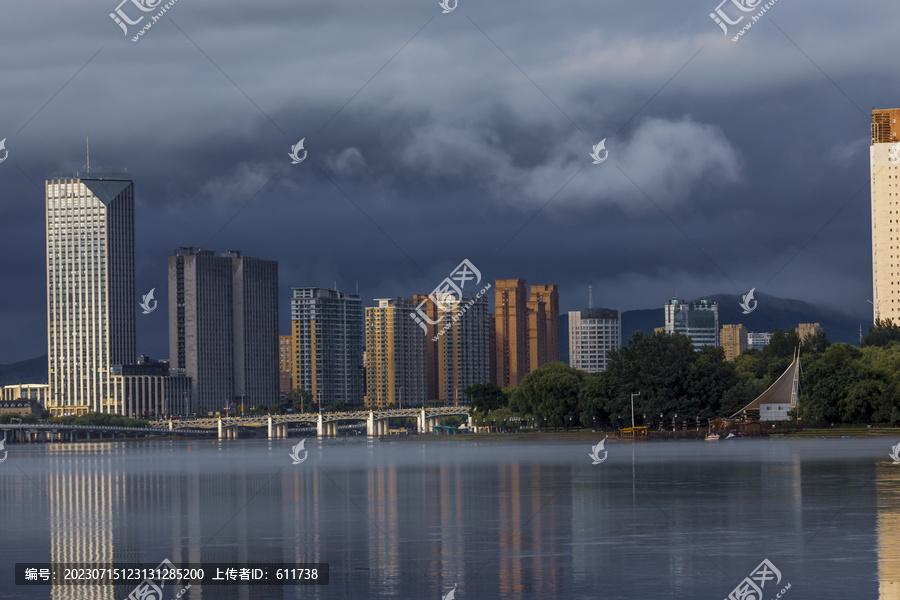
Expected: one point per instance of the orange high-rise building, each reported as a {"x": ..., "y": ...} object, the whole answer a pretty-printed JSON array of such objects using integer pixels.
[
  {"x": 510, "y": 331},
  {"x": 549, "y": 296}
]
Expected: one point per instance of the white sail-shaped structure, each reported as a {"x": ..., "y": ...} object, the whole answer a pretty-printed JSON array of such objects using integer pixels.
[{"x": 781, "y": 397}]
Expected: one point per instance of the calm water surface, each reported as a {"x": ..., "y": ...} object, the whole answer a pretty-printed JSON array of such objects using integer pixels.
[{"x": 497, "y": 519}]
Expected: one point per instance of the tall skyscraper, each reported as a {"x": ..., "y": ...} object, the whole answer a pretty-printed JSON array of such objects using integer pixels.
[
  {"x": 884, "y": 166},
  {"x": 593, "y": 332},
  {"x": 697, "y": 320},
  {"x": 223, "y": 327},
  {"x": 549, "y": 296},
  {"x": 510, "y": 331},
  {"x": 91, "y": 300},
  {"x": 255, "y": 320},
  {"x": 734, "y": 340},
  {"x": 327, "y": 327},
  {"x": 395, "y": 355}
]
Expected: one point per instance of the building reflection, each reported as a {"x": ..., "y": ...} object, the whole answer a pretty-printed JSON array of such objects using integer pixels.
[{"x": 888, "y": 528}]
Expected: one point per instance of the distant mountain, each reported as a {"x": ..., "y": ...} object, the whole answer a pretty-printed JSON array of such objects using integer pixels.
[
  {"x": 33, "y": 370},
  {"x": 771, "y": 313}
]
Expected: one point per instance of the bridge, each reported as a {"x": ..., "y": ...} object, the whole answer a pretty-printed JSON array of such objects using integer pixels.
[
  {"x": 52, "y": 432},
  {"x": 326, "y": 424}
]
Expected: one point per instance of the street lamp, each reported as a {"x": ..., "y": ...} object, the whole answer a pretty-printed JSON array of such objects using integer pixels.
[{"x": 632, "y": 412}]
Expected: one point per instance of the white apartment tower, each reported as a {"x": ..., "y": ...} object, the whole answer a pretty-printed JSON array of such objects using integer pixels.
[
  {"x": 91, "y": 300},
  {"x": 593, "y": 332},
  {"x": 884, "y": 165}
]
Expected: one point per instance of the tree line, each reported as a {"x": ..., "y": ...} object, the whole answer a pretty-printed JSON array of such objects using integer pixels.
[{"x": 840, "y": 383}]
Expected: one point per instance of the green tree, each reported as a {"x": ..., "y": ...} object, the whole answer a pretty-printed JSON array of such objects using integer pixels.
[
  {"x": 881, "y": 333},
  {"x": 816, "y": 343},
  {"x": 301, "y": 400},
  {"x": 550, "y": 392},
  {"x": 486, "y": 396}
]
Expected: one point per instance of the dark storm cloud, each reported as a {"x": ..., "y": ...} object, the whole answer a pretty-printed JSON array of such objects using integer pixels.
[{"x": 732, "y": 165}]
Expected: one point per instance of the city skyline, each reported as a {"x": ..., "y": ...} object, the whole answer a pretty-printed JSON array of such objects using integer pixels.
[{"x": 468, "y": 157}]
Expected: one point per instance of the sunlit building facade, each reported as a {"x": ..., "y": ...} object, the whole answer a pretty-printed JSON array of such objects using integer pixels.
[
  {"x": 327, "y": 327},
  {"x": 90, "y": 289},
  {"x": 884, "y": 169},
  {"x": 734, "y": 340},
  {"x": 395, "y": 355}
]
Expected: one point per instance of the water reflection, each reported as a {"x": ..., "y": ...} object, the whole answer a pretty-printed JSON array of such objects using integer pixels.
[{"x": 413, "y": 519}]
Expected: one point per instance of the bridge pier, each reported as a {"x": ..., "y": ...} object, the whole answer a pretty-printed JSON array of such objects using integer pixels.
[
  {"x": 422, "y": 422},
  {"x": 320, "y": 427},
  {"x": 282, "y": 431},
  {"x": 270, "y": 426}
]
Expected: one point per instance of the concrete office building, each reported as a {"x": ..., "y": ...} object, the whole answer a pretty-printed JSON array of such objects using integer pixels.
[
  {"x": 593, "y": 332},
  {"x": 90, "y": 289},
  {"x": 149, "y": 390},
  {"x": 395, "y": 355},
  {"x": 697, "y": 320},
  {"x": 327, "y": 327},
  {"x": 223, "y": 327},
  {"x": 734, "y": 340},
  {"x": 40, "y": 392}
]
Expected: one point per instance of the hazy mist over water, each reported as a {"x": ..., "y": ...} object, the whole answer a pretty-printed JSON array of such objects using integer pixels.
[{"x": 499, "y": 518}]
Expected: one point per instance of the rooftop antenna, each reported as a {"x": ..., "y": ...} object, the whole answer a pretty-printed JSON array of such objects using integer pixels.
[
  {"x": 88, "y": 142},
  {"x": 357, "y": 287},
  {"x": 335, "y": 286},
  {"x": 590, "y": 295}
]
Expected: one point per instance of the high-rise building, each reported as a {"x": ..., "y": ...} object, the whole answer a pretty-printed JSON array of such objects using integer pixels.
[
  {"x": 461, "y": 355},
  {"x": 255, "y": 301},
  {"x": 884, "y": 165},
  {"x": 734, "y": 340},
  {"x": 510, "y": 331},
  {"x": 328, "y": 339},
  {"x": 593, "y": 332},
  {"x": 90, "y": 289},
  {"x": 395, "y": 355},
  {"x": 805, "y": 330},
  {"x": 697, "y": 320},
  {"x": 549, "y": 296},
  {"x": 285, "y": 364},
  {"x": 758, "y": 340},
  {"x": 223, "y": 327},
  {"x": 536, "y": 349}
]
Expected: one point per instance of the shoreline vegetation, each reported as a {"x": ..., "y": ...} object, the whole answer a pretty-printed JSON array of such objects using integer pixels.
[{"x": 662, "y": 383}]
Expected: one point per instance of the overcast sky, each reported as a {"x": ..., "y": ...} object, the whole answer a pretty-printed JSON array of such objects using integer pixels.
[{"x": 436, "y": 137}]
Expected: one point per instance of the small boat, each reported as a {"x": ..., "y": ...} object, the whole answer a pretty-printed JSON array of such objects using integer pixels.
[
  {"x": 712, "y": 437},
  {"x": 731, "y": 436}
]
